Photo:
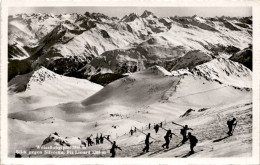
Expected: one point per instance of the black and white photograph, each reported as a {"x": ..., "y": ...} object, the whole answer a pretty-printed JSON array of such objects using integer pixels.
[{"x": 130, "y": 82}]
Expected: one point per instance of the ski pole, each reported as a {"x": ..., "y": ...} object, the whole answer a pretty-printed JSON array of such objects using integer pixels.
[
  {"x": 176, "y": 124},
  {"x": 171, "y": 133},
  {"x": 113, "y": 143},
  {"x": 145, "y": 133},
  {"x": 108, "y": 140},
  {"x": 180, "y": 125},
  {"x": 164, "y": 129},
  {"x": 233, "y": 129}
]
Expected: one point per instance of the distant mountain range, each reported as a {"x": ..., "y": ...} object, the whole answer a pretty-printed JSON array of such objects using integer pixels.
[{"x": 102, "y": 48}]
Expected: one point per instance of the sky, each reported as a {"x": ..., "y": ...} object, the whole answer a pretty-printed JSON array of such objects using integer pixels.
[{"x": 158, "y": 11}]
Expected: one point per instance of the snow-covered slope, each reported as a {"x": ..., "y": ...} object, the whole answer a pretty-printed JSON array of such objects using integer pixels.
[
  {"x": 17, "y": 52},
  {"x": 219, "y": 69},
  {"x": 142, "y": 89},
  {"x": 194, "y": 38},
  {"x": 189, "y": 60},
  {"x": 150, "y": 52},
  {"x": 147, "y": 96},
  {"x": 36, "y": 25},
  {"x": 225, "y": 71},
  {"x": 209, "y": 126},
  {"x": 43, "y": 88}
]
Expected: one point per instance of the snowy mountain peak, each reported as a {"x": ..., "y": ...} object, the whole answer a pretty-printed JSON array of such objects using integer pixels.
[
  {"x": 232, "y": 66},
  {"x": 129, "y": 18},
  {"x": 74, "y": 39},
  {"x": 225, "y": 71},
  {"x": 194, "y": 16},
  {"x": 198, "y": 18},
  {"x": 24, "y": 82},
  {"x": 42, "y": 74},
  {"x": 47, "y": 83},
  {"x": 147, "y": 13},
  {"x": 97, "y": 16}
]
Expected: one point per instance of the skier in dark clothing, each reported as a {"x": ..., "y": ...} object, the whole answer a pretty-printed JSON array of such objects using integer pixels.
[
  {"x": 230, "y": 124},
  {"x": 131, "y": 132},
  {"x": 149, "y": 126},
  {"x": 135, "y": 129},
  {"x": 156, "y": 127},
  {"x": 97, "y": 140},
  {"x": 101, "y": 139},
  {"x": 89, "y": 140},
  {"x": 161, "y": 124},
  {"x": 147, "y": 143},
  {"x": 113, "y": 149},
  {"x": 193, "y": 142},
  {"x": 184, "y": 133},
  {"x": 167, "y": 138}
]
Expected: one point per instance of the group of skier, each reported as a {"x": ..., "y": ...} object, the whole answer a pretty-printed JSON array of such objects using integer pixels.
[
  {"x": 168, "y": 137},
  {"x": 99, "y": 139},
  {"x": 192, "y": 139},
  {"x": 132, "y": 131}
]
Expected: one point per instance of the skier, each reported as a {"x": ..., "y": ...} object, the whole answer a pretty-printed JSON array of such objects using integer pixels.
[
  {"x": 113, "y": 149},
  {"x": 135, "y": 129},
  {"x": 184, "y": 133},
  {"x": 89, "y": 140},
  {"x": 146, "y": 148},
  {"x": 193, "y": 142},
  {"x": 167, "y": 138},
  {"x": 101, "y": 139},
  {"x": 131, "y": 132},
  {"x": 230, "y": 124},
  {"x": 97, "y": 140},
  {"x": 149, "y": 126},
  {"x": 156, "y": 127},
  {"x": 161, "y": 124}
]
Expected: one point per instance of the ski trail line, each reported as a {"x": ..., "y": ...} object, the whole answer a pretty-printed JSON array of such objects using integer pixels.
[{"x": 200, "y": 92}]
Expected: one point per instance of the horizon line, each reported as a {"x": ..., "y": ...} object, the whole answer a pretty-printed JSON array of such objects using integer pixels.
[{"x": 118, "y": 12}]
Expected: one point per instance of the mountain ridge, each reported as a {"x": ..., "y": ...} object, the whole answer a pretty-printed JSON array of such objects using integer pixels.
[{"x": 67, "y": 43}]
